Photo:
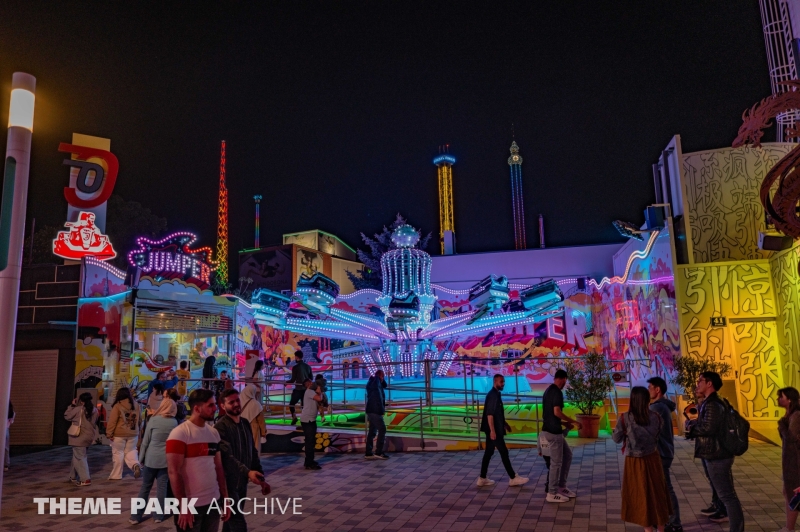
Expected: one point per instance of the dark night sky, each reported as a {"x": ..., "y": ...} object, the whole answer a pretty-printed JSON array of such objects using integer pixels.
[{"x": 333, "y": 110}]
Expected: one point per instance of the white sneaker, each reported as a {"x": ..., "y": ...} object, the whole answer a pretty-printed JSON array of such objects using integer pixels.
[
  {"x": 518, "y": 481},
  {"x": 556, "y": 497},
  {"x": 567, "y": 493},
  {"x": 485, "y": 482}
]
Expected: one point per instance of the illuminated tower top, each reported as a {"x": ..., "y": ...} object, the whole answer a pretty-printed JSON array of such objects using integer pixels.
[
  {"x": 444, "y": 162},
  {"x": 517, "y": 204}
]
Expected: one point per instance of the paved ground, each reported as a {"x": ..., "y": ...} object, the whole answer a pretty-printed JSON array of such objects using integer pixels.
[{"x": 414, "y": 491}]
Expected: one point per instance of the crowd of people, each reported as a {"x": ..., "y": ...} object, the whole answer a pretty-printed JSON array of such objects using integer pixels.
[{"x": 212, "y": 450}]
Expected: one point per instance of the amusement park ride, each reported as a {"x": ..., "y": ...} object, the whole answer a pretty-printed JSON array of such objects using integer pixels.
[{"x": 409, "y": 325}]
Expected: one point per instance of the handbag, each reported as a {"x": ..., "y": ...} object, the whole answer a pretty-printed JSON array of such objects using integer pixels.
[{"x": 75, "y": 430}]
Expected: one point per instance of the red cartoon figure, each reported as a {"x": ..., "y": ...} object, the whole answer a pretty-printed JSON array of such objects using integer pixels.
[{"x": 83, "y": 239}]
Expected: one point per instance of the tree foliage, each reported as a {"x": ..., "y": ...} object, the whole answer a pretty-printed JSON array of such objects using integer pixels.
[
  {"x": 370, "y": 275},
  {"x": 42, "y": 246},
  {"x": 689, "y": 368},
  {"x": 589, "y": 379}
]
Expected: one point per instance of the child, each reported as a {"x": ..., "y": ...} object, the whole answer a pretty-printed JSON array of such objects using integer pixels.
[{"x": 322, "y": 385}]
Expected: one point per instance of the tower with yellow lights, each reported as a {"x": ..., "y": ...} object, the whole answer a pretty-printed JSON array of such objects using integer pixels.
[{"x": 444, "y": 163}]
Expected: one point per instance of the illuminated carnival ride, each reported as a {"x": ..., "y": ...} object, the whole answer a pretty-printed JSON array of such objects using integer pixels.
[{"x": 409, "y": 329}]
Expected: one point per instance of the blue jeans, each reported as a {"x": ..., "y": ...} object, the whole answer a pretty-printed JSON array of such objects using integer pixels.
[
  {"x": 149, "y": 476},
  {"x": 376, "y": 426},
  {"x": 675, "y": 517},
  {"x": 721, "y": 476}
]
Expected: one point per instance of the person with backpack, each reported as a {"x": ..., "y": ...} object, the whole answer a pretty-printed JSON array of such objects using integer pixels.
[
  {"x": 710, "y": 432},
  {"x": 789, "y": 429}
]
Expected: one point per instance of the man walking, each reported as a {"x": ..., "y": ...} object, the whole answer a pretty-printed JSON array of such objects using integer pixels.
[
  {"x": 239, "y": 458},
  {"x": 666, "y": 444},
  {"x": 376, "y": 408},
  {"x": 560, "y": 454},
  {"x": 494, "y": 425},
  {"x": 300, "y": 372},
  {"x": 308, "y": 420},
  {"x": 194, "y": 465},
  {"x": 717, "y": 460}
]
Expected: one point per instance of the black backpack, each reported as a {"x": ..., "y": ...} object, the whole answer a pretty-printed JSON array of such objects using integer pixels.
[{"x": 736, "y": 430}]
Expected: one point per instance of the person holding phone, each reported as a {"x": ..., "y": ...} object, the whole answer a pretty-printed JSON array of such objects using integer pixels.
[
  {"x": 789, "y": 429},
  {"x": 240, "y": 460}
]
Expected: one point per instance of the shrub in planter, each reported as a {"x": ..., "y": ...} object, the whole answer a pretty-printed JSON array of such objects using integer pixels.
[
  {"x": 588, "y": 383},
  {"x": 689, "y": 368}
]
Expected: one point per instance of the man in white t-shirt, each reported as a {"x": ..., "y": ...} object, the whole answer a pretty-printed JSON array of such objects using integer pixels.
[
  {"x": 308, "y": 420},
  {"x": 194, "y": 464}
]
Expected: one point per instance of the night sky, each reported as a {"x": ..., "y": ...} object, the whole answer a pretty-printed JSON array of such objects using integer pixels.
[{"x": 333, "y": 110}]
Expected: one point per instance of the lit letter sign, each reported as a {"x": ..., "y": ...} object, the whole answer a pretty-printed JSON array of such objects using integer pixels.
[
  {"x": 566, "y": 332},
  {"x": 103, "y": 179},
  {"x": 83, "y": 239},
  {"x": 171, "y": 258}
]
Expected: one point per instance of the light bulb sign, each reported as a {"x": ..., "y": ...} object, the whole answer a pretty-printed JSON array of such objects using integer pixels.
[
  {"x": 172, "y": 258},
  {"x": 83, "y": 239}
]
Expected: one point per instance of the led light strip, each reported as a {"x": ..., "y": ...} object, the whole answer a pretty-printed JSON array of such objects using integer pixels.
[
  {"x": 633, "y": 256},
  {"x": 108, "y": 267}
]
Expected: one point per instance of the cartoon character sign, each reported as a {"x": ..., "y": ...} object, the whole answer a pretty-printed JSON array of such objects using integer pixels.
[{"x": 83, "y": 239}]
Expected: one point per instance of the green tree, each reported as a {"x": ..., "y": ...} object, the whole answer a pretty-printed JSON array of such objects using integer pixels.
[
  {"x": 42, "y": 246},
  {"x": 589, "y": 380}
]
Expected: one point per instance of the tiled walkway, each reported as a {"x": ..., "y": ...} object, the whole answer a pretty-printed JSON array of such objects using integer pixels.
[{"x": 414, "y": 491}]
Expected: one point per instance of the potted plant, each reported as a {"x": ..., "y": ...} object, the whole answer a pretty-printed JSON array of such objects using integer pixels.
[
  {"x": 688, "y": 370},
  {"x": 589, "y": 382}
]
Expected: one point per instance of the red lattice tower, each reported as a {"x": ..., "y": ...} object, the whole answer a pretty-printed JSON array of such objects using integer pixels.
[{"x": 222, "y": 223}]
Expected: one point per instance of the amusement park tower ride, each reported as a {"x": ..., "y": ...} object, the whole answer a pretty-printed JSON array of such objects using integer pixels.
[
  {"x": 515, "y": 162},
  {"x": 222, "y": 223},
  {"x": 444, "y": 163}
]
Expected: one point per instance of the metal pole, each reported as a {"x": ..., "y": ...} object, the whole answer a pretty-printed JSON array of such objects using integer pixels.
[
  {"x": 428, "y": 391},
  {"x": 516, "y": 384},
  {"x": 344, "y": 386},
  {"x": 12, "y": 229},
  {"x": 421, "y": 430}
]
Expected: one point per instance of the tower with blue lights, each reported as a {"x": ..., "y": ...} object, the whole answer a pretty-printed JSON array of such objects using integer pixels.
[{"x": 517, "y": 204}]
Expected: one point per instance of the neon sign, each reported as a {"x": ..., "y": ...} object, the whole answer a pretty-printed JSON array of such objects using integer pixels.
[
  {"x": 565, "y": 332},
  {"x": 83, "y": 239},
  {"x": 172, "y": 258},
  {"x": 96, "y": 179}
]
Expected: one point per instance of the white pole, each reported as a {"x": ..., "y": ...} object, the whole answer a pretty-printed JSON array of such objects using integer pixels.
[{"x": 13, "y": 202}]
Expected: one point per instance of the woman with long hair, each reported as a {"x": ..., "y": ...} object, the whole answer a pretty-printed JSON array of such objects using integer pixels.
[
  {"x": 123, "y": 433},
  {"x": 252, "y": 407},
  {"x": 153, "y": 455},
  {"x": 209, "y": 372},
  {"x": 789, "y": 429},
  {"x": 645, "y": 501},
  {"x": 83, "y": 416}
]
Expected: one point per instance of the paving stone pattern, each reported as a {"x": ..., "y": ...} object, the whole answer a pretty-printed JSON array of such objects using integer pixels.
[{"x": 414, "y": 491}]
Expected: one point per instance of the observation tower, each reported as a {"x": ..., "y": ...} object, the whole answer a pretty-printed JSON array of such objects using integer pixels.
[
  {"x": 444, "y": 163},
  {"x": 517, "y": 204}
]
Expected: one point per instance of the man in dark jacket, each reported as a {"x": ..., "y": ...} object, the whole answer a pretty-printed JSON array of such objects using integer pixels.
[
  {"x": 707, "y": 431},
  {"x": 494, "y": 425},
  {"x": 666, "y": 444},
  {"x": 239, "y": 458},
  {"x": 300, "y": 372},
  {"x": 376, "y": 408}
]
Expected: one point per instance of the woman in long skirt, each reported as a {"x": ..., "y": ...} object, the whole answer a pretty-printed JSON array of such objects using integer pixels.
[{"x": 645, "y": 500}]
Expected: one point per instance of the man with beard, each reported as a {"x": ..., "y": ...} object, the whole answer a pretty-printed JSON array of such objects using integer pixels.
[
  {"x": 194, "y": 465},
  {"x": 239, "y": 458},
  {"x": 495, "y": 427}
]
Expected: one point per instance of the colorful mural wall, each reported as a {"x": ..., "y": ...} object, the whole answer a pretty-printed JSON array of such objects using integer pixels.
[{"x": 637, "y": 320}]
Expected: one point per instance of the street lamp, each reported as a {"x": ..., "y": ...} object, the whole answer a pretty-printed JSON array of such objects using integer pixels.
[{"x": 12, "y": 227}]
